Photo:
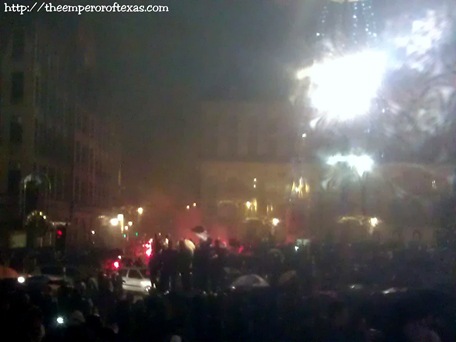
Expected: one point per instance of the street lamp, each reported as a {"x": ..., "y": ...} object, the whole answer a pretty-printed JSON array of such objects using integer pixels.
[
  {"x": 140, "y": 210},
  {"x": 114, "y": 222},
  {"x": 120, "y": 219}
]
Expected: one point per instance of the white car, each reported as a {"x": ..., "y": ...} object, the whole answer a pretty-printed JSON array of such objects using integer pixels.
[{"x": 135, "y": 279}]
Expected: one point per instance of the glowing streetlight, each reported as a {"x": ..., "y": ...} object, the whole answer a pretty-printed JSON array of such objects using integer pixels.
[
  {"x": 140, "y": 210},
  {"x": 374, "y": 222},
  {"x": 114, "y": 222},
  {"x": 120, "y": 220},
  {"x": 248, "y": 205},
  {"x": 275, "y": 222},
  {"x": 187, "y": 207},
  {"x": 130, "y": 223},
  {"x": 194, "y": 204},
  {"x": 93, "y": 232}
]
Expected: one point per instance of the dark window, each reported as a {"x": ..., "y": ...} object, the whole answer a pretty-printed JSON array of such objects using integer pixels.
[
  {"x": 16, "y": 131},
  {"x": 14, "y": 181},
  {"x": 43, "y": 96},
  {"x": 37, "y": 91},
  {"x": 36, "y": 134},
  {"x": 18, "y": 44},
  {"x": 17, "y": 87},
  {"x": 51, "y": 177},
  {"x": 134, "y": 274}
]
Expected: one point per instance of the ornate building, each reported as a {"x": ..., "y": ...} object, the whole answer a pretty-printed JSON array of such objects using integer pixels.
[
  {"x": 53, "y": 126},
  {"x": 257, "y": 166}
]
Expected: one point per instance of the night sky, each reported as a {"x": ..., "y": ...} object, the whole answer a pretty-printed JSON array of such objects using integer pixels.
[{"x": 160, "y": 65}]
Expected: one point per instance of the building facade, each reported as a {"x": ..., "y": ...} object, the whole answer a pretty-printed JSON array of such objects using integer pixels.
[
  {"x": 258, "y": 165},
  {"x": 246, "y": 162},
  {"x": 53, "y": 126}
]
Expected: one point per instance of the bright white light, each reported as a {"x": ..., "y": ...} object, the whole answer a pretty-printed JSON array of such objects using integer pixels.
[
  {"x": 140, "y": 210},
  {"x": 21, "y": 280},
  {"x": 275, "y": 221},
  {"x": 187, "y": 207},
  {"x": 194, "y": 204},
  {"x": 130, "y": 223},
  {"x": 126, "y": 228},
  {"x": 343, "y": 88},
  {"x": 374, "y": 222},
  {"x": 304, "y": 135},
  {"x": 301, "y": 74},
  {"x": 114, "y": 222},
  {"x": 361, "y": 164},
  {"x": 424, "y": 35},
  {"x": 93, "y": 232},
  {"x": 248, "y": 204},
  {"x": 60, "y": 320}
]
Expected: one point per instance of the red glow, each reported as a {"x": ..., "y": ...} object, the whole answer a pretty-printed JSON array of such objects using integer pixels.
[
  {"x": 116, "y": 264},
  {"x": 59, "y": 233}
]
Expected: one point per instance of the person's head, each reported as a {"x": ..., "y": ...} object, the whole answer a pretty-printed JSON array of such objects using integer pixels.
[
  {"x": 34, "y": 324},
  {"x": 338, "y": 314},
  {"x": 77, "y": 318}
]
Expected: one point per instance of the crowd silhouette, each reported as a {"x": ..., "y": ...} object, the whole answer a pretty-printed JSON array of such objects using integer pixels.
[{"x": 325, "y": 293}]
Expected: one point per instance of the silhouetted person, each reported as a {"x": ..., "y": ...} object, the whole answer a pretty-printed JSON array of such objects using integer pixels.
[
  {"x": 338, "y": 316},
  {"x": 154, "y": 267},
  {"x": 168, "y": 268},
  {"x": 218, "y": 261},
  {"x": 184, "y": 264},
  {"x": 201, "y": 265}
]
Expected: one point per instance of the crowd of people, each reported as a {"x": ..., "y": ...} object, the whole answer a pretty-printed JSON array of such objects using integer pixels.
[
  {"x": 325, "y": 293},
  {"x": 202, "y": 268}
]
